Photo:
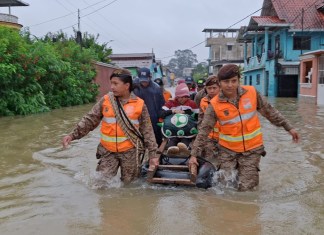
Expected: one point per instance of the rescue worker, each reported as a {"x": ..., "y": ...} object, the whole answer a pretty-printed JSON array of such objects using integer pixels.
[
  {"x": 212, "y": 88},
  {"x": 240, "y": 137},
  {"x": 200, "y": 94},
  {"x": 200, "y": 84},
  {"x": 126, "y": 129},
  {"x": 152, "y": 95},
  {"x": 166, "y": 94}
]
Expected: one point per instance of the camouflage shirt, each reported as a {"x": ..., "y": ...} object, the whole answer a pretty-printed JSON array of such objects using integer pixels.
[
  {"x": 210, "y": 118},
  {"x": 201, "y": 112},
  {"x": 93, "y": 118},
  {"x": 201, "y": 94}
]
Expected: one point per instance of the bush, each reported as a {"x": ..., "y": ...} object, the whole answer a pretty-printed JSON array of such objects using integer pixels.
[{"x": 36, "y": 76}]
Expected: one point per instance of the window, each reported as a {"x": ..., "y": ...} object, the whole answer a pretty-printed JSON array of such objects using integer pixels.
[
  {"x": 302, "y": 43},
  {"x": 250, "y": 80},
  {"x": 245, "y": 80},
  {"x": 258, "y": 79},
  {"x": 229, "y": 47},
  {"x": 308, "y": 70}
]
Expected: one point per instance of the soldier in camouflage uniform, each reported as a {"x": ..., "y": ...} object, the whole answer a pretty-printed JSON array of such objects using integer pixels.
[
  {"x": 240, "y": 150},
  {"x": 200, "y": 94},
  {"x": 210, "y": 151},
  {"x": 114, "y": 152}
]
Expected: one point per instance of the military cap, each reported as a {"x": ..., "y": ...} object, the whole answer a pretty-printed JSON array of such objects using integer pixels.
[{"x": 228, "y": 71}]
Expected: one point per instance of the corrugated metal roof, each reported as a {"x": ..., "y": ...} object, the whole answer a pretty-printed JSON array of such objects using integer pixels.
[
  {"x": 128, "y": 55},
  {"x": 12, "y": 3}
]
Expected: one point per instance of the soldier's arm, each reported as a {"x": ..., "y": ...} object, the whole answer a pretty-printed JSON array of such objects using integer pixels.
[
  {"x": 145, "y": 127},
  {"x": 205, "y": 128},
  {"x": 200, "y": 117},
  {"x": 88, "y": 122}
]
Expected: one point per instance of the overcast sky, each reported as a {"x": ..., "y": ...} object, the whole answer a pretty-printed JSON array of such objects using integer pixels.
[{"x": 139, "y": 25}]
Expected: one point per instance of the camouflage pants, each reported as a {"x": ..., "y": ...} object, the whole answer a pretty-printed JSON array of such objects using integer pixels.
[
  {"x": 247, "y": 167},
  {"x": 210, "y": 150},
  {"x": 127, "y": 161}
]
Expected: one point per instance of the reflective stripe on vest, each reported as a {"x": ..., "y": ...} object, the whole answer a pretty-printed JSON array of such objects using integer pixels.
[
  {"x": 238, "y": 118},
  {"x": 113, "y": 137},
  {"x": 240, "y": 128},
  {"x": 113, "y": 120},
  {"x": 240, "y": 138}
]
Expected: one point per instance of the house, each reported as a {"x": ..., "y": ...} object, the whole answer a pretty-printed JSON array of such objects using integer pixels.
[
  {"x": 223, "y": 48},
  {"x": 187, "y": 72},
  {"x": 284, "y": 31},
  {"x": 134, "y": 61},
  {"x": 312, "y": 77},
  {"x": 10, "y": 20}
]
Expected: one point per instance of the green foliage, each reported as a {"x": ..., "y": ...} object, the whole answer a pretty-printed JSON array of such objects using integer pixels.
[
  {"x": 200, "y": 71},
  {"x": 183, "y": 59},
  {"x": 39, "y": 75},
  {"x": 89, "y": 41}
]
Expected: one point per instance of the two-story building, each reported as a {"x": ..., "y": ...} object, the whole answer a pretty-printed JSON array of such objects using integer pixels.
[
  {"x": 284, "y": 31},
  {"x": 223, "y": 48}
]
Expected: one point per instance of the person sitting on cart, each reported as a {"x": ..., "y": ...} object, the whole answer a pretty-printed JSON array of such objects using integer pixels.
[{"x": 182, "y": 112}]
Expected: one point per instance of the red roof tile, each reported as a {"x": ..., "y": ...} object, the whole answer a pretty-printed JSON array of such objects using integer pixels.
[
  {"x": 262, "y": 20},
  {"x": 291, "y": 12}
]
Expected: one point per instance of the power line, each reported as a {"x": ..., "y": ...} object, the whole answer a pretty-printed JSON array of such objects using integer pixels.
[
  {"x": 225, "y": 29},
  {"x": 271, "y": 2},
  {"x": 71, "y": 13}
]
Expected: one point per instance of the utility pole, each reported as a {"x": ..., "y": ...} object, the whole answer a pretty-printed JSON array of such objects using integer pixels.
[
  {"x": 302, "y": 30},
  {"x": 79, "y": 34}
]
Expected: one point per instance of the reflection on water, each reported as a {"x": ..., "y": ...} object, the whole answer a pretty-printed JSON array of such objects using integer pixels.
[{"x": 47, "y": 190}]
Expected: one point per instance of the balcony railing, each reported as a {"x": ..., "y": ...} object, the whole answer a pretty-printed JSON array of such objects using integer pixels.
[
  {"x": 255, "y": 62},
  {"x": 8, "y": 18}
]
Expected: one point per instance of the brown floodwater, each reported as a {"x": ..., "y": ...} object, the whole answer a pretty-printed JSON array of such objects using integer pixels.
[{"x": 47, "y": 190}]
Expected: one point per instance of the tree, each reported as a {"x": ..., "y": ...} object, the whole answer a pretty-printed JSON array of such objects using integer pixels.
[
  {"x": 183, "y": 59},
  {"x": 200, "y": 71},
  {"x": 88, "y": 41},
  {"x": 39, "y": 75}
]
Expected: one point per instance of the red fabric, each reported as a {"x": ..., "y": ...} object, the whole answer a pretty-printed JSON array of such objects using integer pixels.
[{"x": 174, "y": 103}]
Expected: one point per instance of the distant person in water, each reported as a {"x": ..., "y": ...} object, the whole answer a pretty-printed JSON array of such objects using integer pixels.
[
  {"x": 211, "y": 144},
  {"x": 124, "y": 137},
  {"x": 240, "y": 136}
]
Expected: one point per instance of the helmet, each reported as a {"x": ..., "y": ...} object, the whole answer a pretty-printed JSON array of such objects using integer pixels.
[{"x": 201, "y": 82}]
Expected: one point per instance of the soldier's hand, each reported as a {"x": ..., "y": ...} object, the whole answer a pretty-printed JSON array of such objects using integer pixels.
[
  {"x": 66, "y": 141},
  {"x": 193, "y": 160},
  {"x": 154, "y": 162},
  {"x": 295, "y": 135}
]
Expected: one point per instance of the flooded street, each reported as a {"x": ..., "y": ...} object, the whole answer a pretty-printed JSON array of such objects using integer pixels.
[{"x": 47, "y": 190}]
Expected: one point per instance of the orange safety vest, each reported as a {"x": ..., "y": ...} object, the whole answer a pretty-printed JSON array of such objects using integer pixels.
[
  {"x": 215, "y": 132},
  {"x": 167, "y": 95},
  {"x": 240, "y": 128},
  {"x": 113, "y": 137}
]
